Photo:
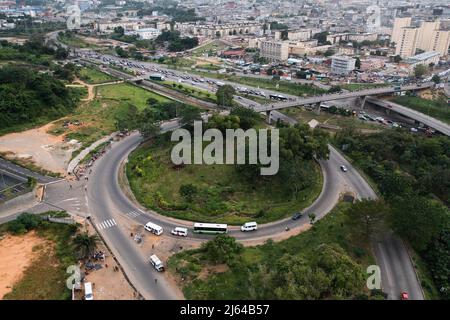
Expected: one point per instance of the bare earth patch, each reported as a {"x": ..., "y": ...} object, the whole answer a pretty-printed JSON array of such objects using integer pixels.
[
  {"x": 16, "y": 255},
  {"x": 38, "y": 147}
]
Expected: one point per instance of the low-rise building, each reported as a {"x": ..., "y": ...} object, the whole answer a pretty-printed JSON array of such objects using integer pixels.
[
  {"x": 145, "y": 33},
  {"x": 425, "y": 59}
]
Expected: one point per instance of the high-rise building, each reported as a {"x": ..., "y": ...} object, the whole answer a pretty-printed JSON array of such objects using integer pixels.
[
  {"x": 406, "y": 43},
  {"x": 440, "y": 42},
  {"x": 425, "y": 36},
  {"x": 399, "y": 24}
]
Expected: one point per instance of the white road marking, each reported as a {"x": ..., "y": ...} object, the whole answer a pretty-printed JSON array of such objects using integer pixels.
[{"x": 106, "y": 224}]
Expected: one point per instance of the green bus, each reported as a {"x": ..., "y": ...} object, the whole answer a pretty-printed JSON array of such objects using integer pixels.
[{"x": 210, "y": 228}]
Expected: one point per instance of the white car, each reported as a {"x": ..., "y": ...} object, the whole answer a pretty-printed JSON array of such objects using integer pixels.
[
  {"x": 249, "y": 226},
  {"x": 344, "y": 168},
  {"x": 179, "y": 231}
]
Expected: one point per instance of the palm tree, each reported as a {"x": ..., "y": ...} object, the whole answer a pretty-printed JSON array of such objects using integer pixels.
[
  {"x": 85, "y": 244},
  {"x": 312, "y": 218}
]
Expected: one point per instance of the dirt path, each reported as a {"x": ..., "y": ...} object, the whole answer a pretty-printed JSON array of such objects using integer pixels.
[{"x": 16, "y": 254}]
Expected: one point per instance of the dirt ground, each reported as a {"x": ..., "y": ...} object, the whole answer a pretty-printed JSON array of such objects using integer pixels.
[
  {"x": 16, "y": 254},
  {"x": 44, "y": 150},
  {"x": 40, "y": 148},
  {"x": 107, "y": 283}
]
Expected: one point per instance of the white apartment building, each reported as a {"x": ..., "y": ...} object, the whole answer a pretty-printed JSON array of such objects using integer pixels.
[
  {"x": 275, "y": 50},
  {"x": 342, "y": 65},
  {"x": 145, "y": 33},
  {"x": 108, "y": 27},
  {"x": 295, "y": 35}
]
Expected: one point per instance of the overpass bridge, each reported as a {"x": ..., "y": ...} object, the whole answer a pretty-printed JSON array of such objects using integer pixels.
[
  {"x": 342, "y": 95},
  {"x": 433, "y": 123}
]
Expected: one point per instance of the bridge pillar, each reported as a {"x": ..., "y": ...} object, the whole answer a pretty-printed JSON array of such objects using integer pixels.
[
  {"x": 268, "y": 116},
  {"x": 362, "y": 102},
  {"x": 318, "y": 108}
]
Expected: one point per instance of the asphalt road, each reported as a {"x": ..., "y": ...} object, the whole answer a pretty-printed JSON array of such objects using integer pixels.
[
  {"x": 22, "y": 173},
  {"x": 413, "y": 114}
]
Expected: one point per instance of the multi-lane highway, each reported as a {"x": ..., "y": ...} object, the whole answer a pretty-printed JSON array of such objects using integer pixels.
[{"x": 412, "y": 114}]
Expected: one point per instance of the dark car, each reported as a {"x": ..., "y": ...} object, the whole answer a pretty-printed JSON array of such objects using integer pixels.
[{"x": 297, "y": 216}]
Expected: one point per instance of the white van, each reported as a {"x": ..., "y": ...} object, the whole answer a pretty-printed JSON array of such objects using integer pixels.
[
  {"x": 249, "y": 226},
  {"x": 154, "y": 260},
  {"x": 88, "y": 295},
  {"x": 179, "y": 231},
  {"x": 153, "y": 228}
]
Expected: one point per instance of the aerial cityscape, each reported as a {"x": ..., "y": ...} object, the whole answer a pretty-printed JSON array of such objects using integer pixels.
[{"x": 224, "y": 150}]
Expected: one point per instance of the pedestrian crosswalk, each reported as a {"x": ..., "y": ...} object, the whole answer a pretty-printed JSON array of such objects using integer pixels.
[
  {"x": 106, "y": 224},
  {"x": 134, "y": 213}
]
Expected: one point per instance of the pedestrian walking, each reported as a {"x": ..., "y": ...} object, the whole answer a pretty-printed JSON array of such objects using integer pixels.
[{"x": 156, "y": 280}]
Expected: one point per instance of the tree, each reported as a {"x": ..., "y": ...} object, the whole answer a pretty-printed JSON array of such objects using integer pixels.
[
  {"x": 225, "y": 95},
  {"x": 358, "y": 63},
  {"x": 418, "y": 219},
  {"x": 366, "y": 218},
  {"x": 312, "y": 217},
  {"x": 420, "y": 70},
  {"x": 222, "y": 249},
  {"x": 121, "y": 52},
  {"x": 247, "y": 117},
  {"x": 85, "y": 244},
  {"x": 119, "y": 31},
  {"x": 188, "y": 191},
  {"x": 335, "y": 89},
  {"x": 61, "y": 53},
  {"x": 189, "y": 114},
  {"x": 436, "y": 79},
  {"x": 397, "y": 59}
]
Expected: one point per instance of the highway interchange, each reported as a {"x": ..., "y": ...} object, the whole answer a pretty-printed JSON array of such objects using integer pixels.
[{"x": 102, "y": 199}]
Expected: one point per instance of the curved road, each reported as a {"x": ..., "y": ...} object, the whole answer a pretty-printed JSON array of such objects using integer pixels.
[{"x": 106, "y": 201}]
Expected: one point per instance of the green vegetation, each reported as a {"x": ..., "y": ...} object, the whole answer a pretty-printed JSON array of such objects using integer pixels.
[
  {"x": 229, "y": 193},
  {"x": 28, "y": 98},
  {"x": 225, "y": 95},
  {"x": 304, "y": 115},
  {"x": 437, "y": 108},
  {"x": 176, "y": 43},
  {"x": 111, "y": 110},
  {"x": 325, "y": 262},
  {"x": 189, "y": 90},
  {"x": 33, "y": 51},
  {"x": 178, "y": 13},
  {"x": 94, "y": 76},
  {"x": 46, "y": 278},
  {"x": 73, "y": 40},
  {"x": 412, "y": 173}
]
